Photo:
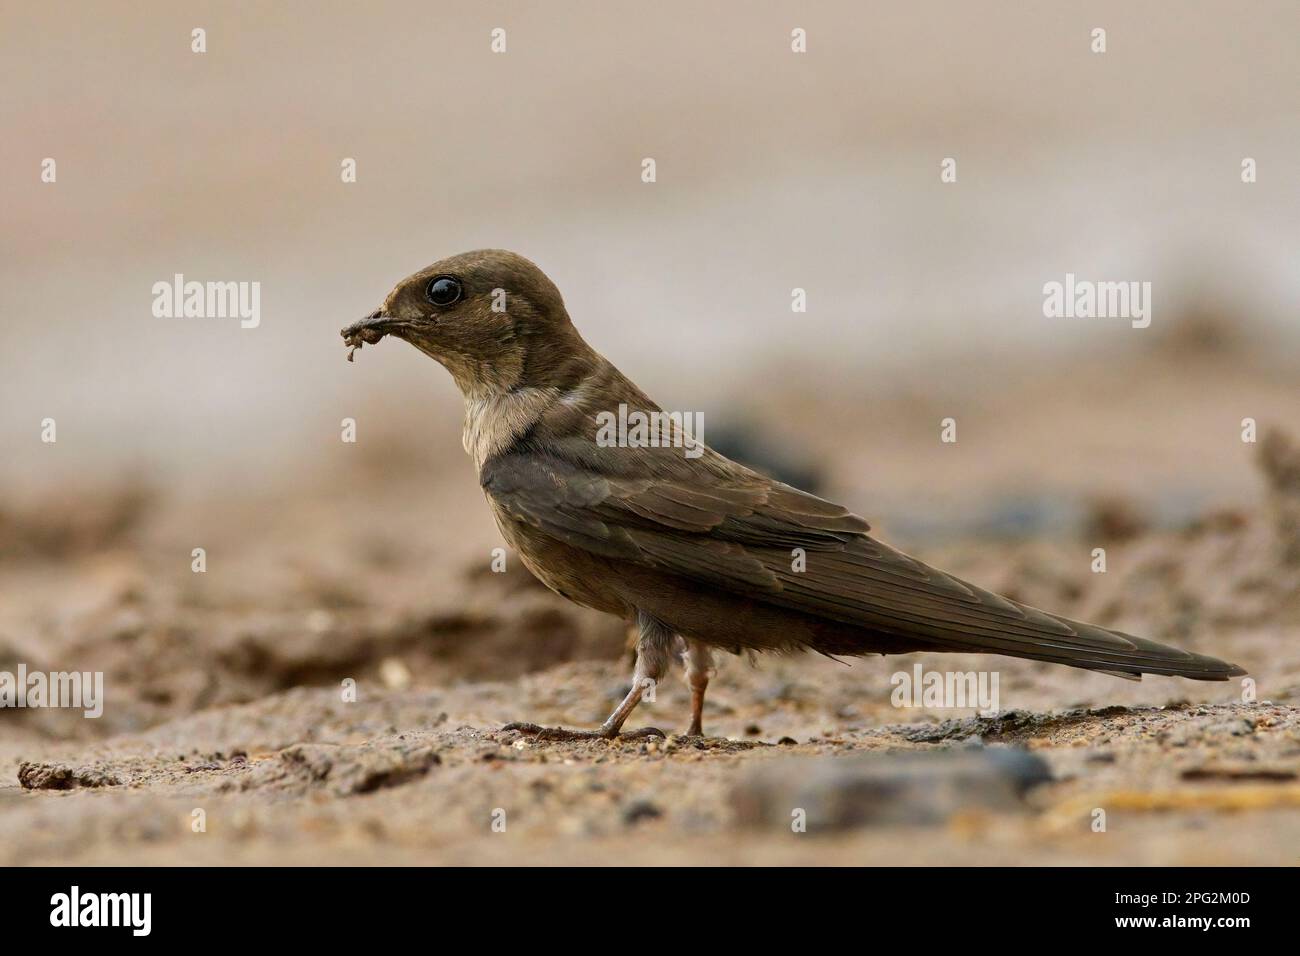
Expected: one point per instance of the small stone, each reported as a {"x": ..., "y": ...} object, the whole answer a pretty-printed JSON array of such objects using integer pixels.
[
  {"x": 53, "y": 776},
  {"x": 639, "y": 810}
]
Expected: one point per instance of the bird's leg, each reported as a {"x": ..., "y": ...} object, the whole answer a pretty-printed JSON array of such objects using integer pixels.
[
  {"x": 699, "y": 663},
  {"x": 633, "y": 638},
  {"x": 654, "y": 651}
]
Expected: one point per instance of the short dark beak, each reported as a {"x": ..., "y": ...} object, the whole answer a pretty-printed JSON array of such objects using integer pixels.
[
  {"x": 376, "y": 321},
  {"x": 369, "y": 330}
]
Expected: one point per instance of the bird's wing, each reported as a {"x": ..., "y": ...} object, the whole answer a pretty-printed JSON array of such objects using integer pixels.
[{"x": 714, "y": 522}]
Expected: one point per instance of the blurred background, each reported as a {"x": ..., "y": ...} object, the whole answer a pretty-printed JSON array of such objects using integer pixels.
[{"x": 775, "y": 170}]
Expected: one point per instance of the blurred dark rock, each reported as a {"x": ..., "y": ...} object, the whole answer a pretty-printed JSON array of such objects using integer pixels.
[
  {"x": 887, "y": 789},
  {"x": 746, "y": 444},
  {"x": 1113, "y": 519}
]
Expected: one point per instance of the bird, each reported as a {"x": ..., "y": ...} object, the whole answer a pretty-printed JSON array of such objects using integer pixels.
[{"x": 691, "y": 549}]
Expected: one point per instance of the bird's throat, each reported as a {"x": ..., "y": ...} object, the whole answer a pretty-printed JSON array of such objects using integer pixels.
[{"x": 495, "y": 421}]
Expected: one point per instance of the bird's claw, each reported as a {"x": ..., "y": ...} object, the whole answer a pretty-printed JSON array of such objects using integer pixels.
[{"x": 564, "y": 733}]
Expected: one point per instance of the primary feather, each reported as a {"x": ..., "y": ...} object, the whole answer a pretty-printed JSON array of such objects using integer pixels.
[{"x": 713, "y": 522}]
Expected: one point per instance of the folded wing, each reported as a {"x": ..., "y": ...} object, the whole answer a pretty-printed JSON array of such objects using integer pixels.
[{"x": 714, "y": 522}]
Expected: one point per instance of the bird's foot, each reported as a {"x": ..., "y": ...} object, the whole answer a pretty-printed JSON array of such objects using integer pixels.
[{"x": 563, "y": 733}]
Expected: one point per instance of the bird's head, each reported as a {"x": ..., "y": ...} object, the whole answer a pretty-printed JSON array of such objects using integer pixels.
[{"x": 491, "y": 317}]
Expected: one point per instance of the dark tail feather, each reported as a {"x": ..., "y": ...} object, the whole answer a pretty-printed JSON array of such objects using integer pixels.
[
  {"x": 1105, "y": 653},
  {"x": 902, "y": 604}
]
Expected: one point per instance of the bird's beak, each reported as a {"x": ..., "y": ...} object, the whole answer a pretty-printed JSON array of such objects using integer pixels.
[
  {"x": 369, "y": 330},
  {"x": 376, "y": 324}
]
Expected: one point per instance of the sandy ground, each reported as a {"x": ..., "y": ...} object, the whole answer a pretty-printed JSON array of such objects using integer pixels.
[
  {"x": 227, "y": 736},
  {"x": 369, "y": 562}
]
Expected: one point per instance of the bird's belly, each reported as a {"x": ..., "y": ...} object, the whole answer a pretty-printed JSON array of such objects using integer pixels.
[
  {"x": 723, "y": 619},
  {"x": 569, "y": 572}
]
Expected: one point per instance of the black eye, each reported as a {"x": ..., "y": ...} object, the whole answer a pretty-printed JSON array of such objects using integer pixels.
[{"x": 443, "y": 290}]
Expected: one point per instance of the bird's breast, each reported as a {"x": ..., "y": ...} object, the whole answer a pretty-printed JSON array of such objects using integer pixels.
[{"x": 570, "y": 572}]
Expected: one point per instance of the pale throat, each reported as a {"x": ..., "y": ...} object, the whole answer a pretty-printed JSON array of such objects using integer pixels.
[{"x": 494, "y": 420}]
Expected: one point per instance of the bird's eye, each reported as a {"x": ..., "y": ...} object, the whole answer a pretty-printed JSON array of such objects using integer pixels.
[{"x": 443, "y": 290}]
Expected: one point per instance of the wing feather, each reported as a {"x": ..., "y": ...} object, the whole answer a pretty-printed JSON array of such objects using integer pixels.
[{"x": 723, "y": 525}]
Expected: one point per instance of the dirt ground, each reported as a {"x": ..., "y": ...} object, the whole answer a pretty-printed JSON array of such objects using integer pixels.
[{"x": 227, "y": 736}]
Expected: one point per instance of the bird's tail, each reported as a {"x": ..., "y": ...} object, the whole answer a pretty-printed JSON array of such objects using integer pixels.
[{"x": 1116, "y": 653}]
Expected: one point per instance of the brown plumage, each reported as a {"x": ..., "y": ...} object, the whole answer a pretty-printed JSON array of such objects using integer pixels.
[{"x": 693, "y": 547}]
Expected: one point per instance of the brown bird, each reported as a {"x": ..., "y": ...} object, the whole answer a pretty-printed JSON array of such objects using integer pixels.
[{"x": 685, "y": 543}]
